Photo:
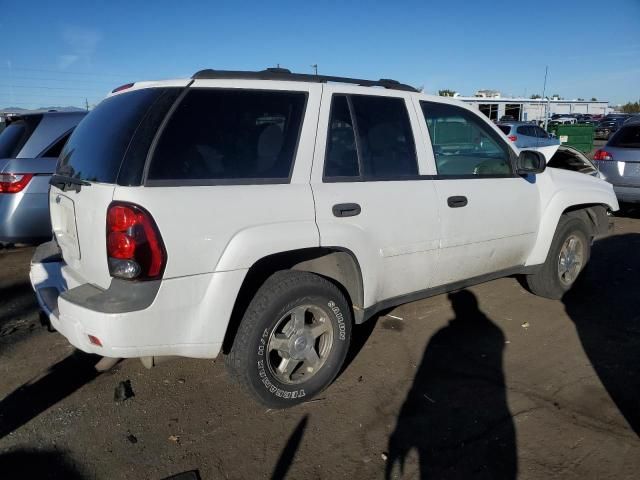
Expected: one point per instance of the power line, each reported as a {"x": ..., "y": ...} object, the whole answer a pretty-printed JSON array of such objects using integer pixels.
[
  {"x": 43, "y": 95},
  {"x": 49, "y": 88},
  {"x": 74, "y": 80},
  {"x": 66, "y": 72}
]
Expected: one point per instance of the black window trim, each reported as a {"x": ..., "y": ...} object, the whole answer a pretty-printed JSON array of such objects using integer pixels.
[
  {"x": 189, "y": 182},
  {"x": 361, "y": 177},
  {"x": 494, "y": 135}
]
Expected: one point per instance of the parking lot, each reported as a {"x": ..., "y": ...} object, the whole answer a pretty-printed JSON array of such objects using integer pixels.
[{"x": 513, "y": 385}]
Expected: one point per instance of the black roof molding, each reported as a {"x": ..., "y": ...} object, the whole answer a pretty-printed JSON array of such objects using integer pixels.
[{"x": 285, "y": 74}]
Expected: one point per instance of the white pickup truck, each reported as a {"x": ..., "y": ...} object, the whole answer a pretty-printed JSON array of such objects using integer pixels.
[{"x": 261, "y": 214}]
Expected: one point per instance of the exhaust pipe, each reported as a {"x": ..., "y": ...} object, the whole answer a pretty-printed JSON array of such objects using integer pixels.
[{"x": 150, "y": 362}]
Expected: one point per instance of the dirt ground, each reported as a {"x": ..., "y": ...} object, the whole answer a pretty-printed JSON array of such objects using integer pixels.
[{"x": 489, "y": 383}]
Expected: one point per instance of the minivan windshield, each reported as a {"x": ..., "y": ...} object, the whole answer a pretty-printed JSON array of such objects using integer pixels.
[
  {"x": 97, "y": 146},
  {"x": 627, "y": 137}
]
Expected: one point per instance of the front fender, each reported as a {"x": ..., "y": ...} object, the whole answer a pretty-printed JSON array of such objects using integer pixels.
[{"x": 575, "y": 189}]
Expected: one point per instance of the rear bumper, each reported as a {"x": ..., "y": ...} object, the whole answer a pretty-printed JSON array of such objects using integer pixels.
[
  {"x": 186, "y": 316},
  {"x": 627, "y": 194},
  {"x": 24, "y": 217}
]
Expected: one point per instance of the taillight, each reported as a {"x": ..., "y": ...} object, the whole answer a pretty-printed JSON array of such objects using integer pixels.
[
  {"x": 134, "y": 245},
  {"x": 513, "y": 138},
  {"x": 14, "y": 182},
  {"x": 602, "y": 155}
]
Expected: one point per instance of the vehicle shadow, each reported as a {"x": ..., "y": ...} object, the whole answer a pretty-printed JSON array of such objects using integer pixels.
[
  {"x": 37, "y": 464},
  {"x": 629, "y": 210},
  {"x": 456, "y": 415},
  {"x": 18, "y": 301},
  {"x": 605, "y": 308},
  {"x": 37, "y": 395}
]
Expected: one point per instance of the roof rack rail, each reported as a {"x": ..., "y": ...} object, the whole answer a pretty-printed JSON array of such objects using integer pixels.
[{"x": 285, "y": 74}]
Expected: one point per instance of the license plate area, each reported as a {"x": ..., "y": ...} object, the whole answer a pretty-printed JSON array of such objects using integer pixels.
[{"x": 63, "y": 223}]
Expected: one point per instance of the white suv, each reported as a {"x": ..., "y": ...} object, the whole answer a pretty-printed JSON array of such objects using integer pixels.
[{"x": 262, "y": 214}]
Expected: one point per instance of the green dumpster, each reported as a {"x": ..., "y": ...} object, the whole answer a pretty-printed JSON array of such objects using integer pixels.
[{"x": 577, "y": 136}]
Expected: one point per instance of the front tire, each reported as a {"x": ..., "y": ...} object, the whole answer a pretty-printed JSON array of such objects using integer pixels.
[
  {"x": 293, "y": 339},
  {"x": 567, "y": 257}
]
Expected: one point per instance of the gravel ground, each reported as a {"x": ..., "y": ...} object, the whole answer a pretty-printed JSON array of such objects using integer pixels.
[{"x": 490, "y": 383}]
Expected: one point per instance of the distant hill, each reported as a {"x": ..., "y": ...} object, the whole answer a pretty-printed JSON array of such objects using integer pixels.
[{"x": 43, "y": 109}]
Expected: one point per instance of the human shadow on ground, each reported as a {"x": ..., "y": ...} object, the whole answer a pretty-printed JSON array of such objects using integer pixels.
[
  {"x": 604, "y": 305},
  {"x": 456, "y": 416},
  {"x": 37, "y": 395}
]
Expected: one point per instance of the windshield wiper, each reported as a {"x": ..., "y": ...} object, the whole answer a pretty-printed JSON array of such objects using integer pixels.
[{"x": 64, "y": 181}]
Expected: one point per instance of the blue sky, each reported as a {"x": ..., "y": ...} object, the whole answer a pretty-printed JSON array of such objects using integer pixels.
[{"x": 78, "y": 49}]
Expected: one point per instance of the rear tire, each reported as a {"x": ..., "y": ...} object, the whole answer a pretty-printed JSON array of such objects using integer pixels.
[
  {"x": 293, "y": 339},
  {"x": 567, "y": 257}
]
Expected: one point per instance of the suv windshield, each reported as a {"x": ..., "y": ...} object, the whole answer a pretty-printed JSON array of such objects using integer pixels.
[
  {"x": 95, "y": 150},
  {"x": 627, "y": 137}
]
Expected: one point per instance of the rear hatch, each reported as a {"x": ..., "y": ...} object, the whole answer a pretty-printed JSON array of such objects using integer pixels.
[
  {"x": 107, "y": 148},
  {"x": 624, "y": 150}
]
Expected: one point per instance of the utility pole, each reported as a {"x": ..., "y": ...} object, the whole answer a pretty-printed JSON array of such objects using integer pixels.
[
  {"x": 548, "y": 106},
  {"x": 315, "y": 68},
  {"x": 86, "y": 104}
]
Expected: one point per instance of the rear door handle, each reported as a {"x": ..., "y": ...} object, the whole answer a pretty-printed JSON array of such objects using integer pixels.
[
  {"x": 457, "y": 201},
  {"x": 346, "y": 210}
]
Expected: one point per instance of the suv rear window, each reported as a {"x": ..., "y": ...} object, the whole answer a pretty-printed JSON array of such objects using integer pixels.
[
  {"x": 16, "y": 134},
  {"x": 230, "y": 136},
  {"x": 382, "y": 149},
  {"x": 505, "y": 129},
  {"x": 627, "y": 137},
  {"x": 96, "y": 147}
]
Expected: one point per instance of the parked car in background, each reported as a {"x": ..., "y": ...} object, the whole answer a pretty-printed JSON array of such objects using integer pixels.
[
  {"x": 588, "y": 121},
  {"x": 527, "y": 135},
  {"x": 563, "y": 118},
  {"x": 29, "y": 149},
  {"x": 619, "y": 162},
  {"x": 607, "y": 127},
  {"x": 633, "y": 118},
  {"x": 508, "y": 118},
  {"x": 302, "y": 177}
]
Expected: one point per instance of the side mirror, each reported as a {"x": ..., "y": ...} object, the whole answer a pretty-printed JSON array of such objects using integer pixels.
[{"x": 530, "y": 161}]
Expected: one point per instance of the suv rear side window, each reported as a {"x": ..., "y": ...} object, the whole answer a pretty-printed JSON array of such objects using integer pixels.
[
  {"x": 526, "y": 130},
  {"x": 463, "y": 144},
  {"x": 230, "y": 136},
  {"x": 96, "y": 147},
  {"x": 383, "y": 149}
]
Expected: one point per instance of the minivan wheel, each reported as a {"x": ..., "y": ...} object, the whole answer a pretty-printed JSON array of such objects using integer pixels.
[
  {"x": 293, "y": 339},
  {"x": 567, "y": 257}
]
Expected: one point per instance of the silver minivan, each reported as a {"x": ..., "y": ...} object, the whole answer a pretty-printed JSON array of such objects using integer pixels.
[
  {"x": 619, "y": 162},
  {"x": 29, "y": 149}
]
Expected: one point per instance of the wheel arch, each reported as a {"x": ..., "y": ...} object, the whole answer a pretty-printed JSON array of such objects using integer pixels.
[
  {"x": 338, "y": 265},
  {"x": 593, "y": 213}
]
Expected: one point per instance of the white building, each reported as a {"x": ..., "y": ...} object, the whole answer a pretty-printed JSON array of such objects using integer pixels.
[{"x": 528, "y": 109}]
